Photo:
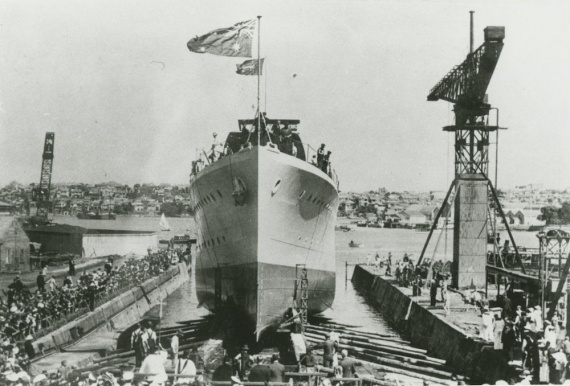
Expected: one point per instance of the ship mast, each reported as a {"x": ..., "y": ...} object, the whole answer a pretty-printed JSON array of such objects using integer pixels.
[{"x": 258, "y": 79}]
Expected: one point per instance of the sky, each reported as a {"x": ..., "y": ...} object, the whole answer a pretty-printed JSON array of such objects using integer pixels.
[{"x": 128, "y": 102}]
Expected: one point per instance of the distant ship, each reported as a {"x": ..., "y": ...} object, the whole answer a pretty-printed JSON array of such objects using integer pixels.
[
  {"x": 96, "y": 216},
  {"x": 263, "y": 213}
]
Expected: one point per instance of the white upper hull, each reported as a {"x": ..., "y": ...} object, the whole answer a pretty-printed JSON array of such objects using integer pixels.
[{"x": 254, "y": 252}]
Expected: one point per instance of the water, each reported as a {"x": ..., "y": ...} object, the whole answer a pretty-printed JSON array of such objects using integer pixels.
[{"x": 349, "y": 307}]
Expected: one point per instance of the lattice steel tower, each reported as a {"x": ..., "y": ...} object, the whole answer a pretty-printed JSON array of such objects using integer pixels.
[
  {"x": 465, "y": 86},
  {"x": 42, "y": 196}
]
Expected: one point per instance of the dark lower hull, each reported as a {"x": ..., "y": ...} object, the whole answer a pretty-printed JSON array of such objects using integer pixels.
[{"x": 272, "y": 294}]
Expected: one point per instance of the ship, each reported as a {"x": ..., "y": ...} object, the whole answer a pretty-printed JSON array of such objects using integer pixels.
[
  {"x": 96, "y": 216},
  {"x": 265, "y": 215}
]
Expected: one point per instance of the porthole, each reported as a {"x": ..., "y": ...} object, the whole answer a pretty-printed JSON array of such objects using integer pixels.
[
  {"x": 220, "y": 194},
  {"x": 302, "y": 194},
  {"x": 217, "y": 238},
  {"x": 310, "y": 197},
  {"x": 224, "y": 238},
  {"x": 213, "y": 198}
]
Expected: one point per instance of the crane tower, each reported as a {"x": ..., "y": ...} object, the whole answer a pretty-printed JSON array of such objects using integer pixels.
[
  {"x": 42, "y": 192},
  {"x": 465, "y": 86}
]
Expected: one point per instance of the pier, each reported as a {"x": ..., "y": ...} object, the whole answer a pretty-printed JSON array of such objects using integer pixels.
[{"x": 453, "y": 339}]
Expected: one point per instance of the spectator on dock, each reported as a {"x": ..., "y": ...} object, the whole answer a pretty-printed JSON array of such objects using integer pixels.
[
  {"x": 185, "y": 368},
  {"x": 224, "y": 372},
  {"x": 51, "y": 283},
  {"x": 498, "y": 326},
  {"x": 398, "y": 273},
  {"x": 487, "y": 320},
  {"x": 41, "y": 282},
  {"x": 154, "y": 363},
  {"x": 244, "y": 362},
  {"x": 308, "y": 361},
  {"x": 508, "y": 338},
  {"x": 348, "y": 365},
  {"x": 329, "y": 347},
  {"x": 433, "y": 293},
  {"x": 71, "y": 264},
  {"x": 277, "y": 369},
  {"x": 260, "y": 372},
  {"x": 174, "y": 346}
]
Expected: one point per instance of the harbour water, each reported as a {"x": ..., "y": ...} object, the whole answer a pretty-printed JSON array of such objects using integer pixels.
[{"x": 349, "y": 306}]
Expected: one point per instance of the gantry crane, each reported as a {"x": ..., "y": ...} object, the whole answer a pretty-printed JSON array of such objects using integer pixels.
[
  {"x": 41, "y": 194},
  {"x": 465, "y": 86}
]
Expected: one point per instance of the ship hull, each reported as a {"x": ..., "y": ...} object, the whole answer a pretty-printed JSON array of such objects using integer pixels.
[{"x": 251, "y": 250}]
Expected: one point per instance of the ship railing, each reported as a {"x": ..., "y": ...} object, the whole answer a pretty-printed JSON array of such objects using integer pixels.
[
  {"x": 204, "y": 158},
  {"x": 311, "y": 157}
]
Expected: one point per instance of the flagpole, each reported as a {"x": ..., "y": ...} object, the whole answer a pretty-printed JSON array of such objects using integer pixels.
[{"x": 258, "y": 80}]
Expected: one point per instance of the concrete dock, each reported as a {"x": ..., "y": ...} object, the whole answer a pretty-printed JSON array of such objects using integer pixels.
[{"x": 453, "y": 338}]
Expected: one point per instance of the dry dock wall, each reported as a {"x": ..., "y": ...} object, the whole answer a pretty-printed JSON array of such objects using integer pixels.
[
  {"x": 122, "y": 311},
  {"x": 467, "y": 356}
]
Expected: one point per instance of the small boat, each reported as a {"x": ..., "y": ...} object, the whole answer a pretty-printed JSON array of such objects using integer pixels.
[
  {"x": 345, "y": 228},
  {"x": 164, "y": 225},
  {"x": 178, "y": 241},
  {"x": 352, "y": 244}
]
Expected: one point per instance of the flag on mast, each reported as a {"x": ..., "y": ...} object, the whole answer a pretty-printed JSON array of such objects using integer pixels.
[
  {"x": 250, "y": 67},
  {"x": 233, "y": 41}
]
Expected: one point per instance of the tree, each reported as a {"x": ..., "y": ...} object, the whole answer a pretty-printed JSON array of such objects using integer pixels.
[{"x": 172, "y": 209}]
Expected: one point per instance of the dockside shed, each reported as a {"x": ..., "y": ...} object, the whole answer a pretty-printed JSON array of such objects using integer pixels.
[
  {"x": 61, "y": 238},
  {"x": 14, "y": 246}
]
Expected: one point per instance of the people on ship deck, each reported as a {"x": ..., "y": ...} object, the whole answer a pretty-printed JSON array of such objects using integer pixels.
[{"x": 320, "y": 155}]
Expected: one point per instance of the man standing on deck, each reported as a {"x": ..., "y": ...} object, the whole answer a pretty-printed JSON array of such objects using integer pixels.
[{"x": 320, "y": 155}]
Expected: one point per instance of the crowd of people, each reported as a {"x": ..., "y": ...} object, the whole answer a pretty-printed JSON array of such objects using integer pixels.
[
  {"x": 543, "y": 342},
  {"x": 277, "y": 133},
  {"x": 25, "y": 314}
]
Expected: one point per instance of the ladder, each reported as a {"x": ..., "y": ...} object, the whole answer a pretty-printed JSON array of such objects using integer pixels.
[{"x": 303, "y": 296}]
